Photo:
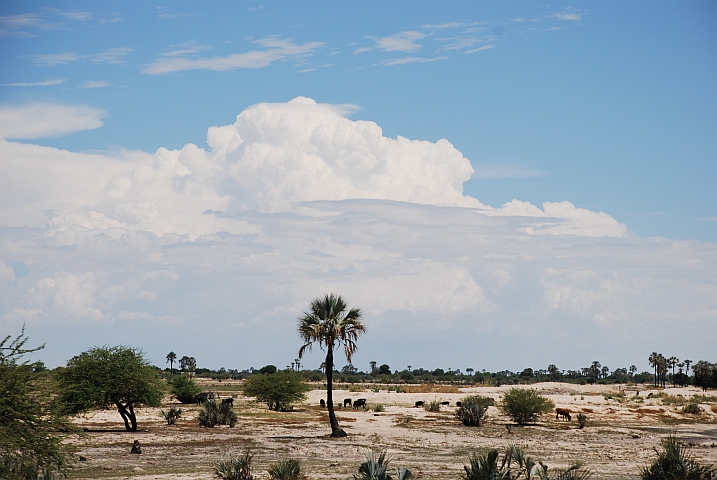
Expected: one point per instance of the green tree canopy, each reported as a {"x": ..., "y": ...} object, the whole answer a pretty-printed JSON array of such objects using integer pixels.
[
  {"x": 278, "y": 390},
  {"x": 184, "y": 388},
  {"x": 105, "y": 376},
  {"x": 524, "y": 405},
  {"x": 30, "y": 421}
]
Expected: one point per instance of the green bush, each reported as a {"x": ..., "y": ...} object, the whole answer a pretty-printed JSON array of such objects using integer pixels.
[
  {"x": 675, "y": 463},
  {"x": 473, "y": 409},
  {"x": 582, "y": 420},
  {"x": 184, "y": 389},
  {"x": 233, "y": 467},
  {"x": 278, "y": 390},
  {"x": 217, "y": 413},
  {"x": 516, "y": 465},
  {"x": 286, "y": 470},
  {"x": 376, "y": 468},
  {"x": 378, "y": 407},
  {"x": 172, "y": 415},
  {"x": 524, "y": 405},
  {"x": 692, "y": 408}
]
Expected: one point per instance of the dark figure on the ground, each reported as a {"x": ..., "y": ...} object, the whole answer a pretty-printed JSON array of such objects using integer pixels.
[
  {"x": 445, "y": 403},
  {"x": 419, "y": 403},
  {"x": 136, "y": 448},
  {"x": 228, "y": 401},
  {"x": 347, "y": 402},
  {"x": 360, "y": 403},
  {"x": 458, "y": 404},
  {"x": 322, "y": 402},
  {"x": 564, "y": 413}
]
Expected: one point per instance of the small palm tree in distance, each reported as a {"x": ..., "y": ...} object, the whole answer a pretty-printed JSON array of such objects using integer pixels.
[
  {"x": 171, "y": 358},
  {"x": 330, "y": 325}
]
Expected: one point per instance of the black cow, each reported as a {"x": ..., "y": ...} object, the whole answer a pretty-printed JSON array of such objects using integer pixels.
[
  {"x": 322, "y": 402},
  {"x": 458, "y": 404},
  {"x": 347, "y": 402},
  {"x": 419, "y": 403},
  {"x": 228, "y": 401},
  {"x": 361, "y": 402},
  {"x": 200, "y": 398},
  {"x": 445, "y": 403}
]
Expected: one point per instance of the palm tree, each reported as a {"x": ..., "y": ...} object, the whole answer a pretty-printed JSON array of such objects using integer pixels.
[
  {"x": 653, "y": 363},
  {"x": 672, "y": 362},
  {"x": 171, "y": 358},
  {"x": 329, "y": 325}
]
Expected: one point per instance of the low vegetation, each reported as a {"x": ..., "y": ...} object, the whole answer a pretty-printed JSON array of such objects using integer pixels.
[
  {"x": 286, "y": 470},
  {"x": 217, "y": 413},
  {"x": 433, "y": 406},
  {"x": 582, "y": 420},
  {"x": 172, "y": 414},
  {"x": 524, "y": 405},
  {"x": 473, "y": 409},
  {"x": 516, "y": 464},
  {"x": 235, "y": 467},
  {"x": 674, "y": 462},
  {"x": 376, "y": 468}
]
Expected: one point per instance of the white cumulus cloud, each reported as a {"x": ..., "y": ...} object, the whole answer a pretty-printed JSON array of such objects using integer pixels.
[{"x": 47, "y": 120}]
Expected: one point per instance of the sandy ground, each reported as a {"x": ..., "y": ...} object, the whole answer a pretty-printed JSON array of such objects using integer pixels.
[{"x": 618, "y": 439}]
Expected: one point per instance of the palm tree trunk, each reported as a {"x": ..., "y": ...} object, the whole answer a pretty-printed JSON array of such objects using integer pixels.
[{"x": 336, "y": 431}]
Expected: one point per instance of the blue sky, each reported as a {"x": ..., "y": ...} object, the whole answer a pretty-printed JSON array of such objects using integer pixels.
[{"x": 610, "y": 106}]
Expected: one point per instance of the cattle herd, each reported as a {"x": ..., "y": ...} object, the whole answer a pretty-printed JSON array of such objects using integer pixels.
[{"x": 361, "y": 403}]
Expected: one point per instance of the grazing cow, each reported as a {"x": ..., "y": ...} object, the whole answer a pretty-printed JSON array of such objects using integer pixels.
[
  {"x": 562, "y": 412},
  {"x": 445, "y": 403},
  {"x": 419, "y": 404},
  {"x": 361, "y": 402},
  {"x": 200, "y": 398},
  {"x": 347, "y": 402},
  {"x": 458, "y": 404},
  {"x": 322, "y": 402},
  {"x": 228, "y": 401}
]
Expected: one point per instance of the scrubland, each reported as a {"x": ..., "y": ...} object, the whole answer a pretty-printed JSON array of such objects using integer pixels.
[{"x": 622, "y": 430}]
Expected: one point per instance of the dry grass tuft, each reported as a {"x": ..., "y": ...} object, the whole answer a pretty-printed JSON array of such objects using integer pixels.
[{"x": 713, "y": 408}]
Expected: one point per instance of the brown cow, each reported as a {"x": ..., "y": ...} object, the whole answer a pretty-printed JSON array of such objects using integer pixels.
[{"x": 563, "y": 412}]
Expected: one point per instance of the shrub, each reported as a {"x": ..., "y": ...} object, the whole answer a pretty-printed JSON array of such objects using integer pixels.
[
  {"x": 279, "y": 390},
  {"x": 376, "y": 468},
  {"x": 675, "y": 462},
  {"x": 516, "y": 465},
  {"x": 692, "y": 408},
  {"x": 172, "y": 415},
  {"x": 524, "y": 405},
  {"x": 286, "y": 470},
  {"x": 213, "y": 414},
  {"x": 582, "y": 420},
  {"x": 234, "y": 467},
  {"x": 713, "y": 408},
  {"x": 184, "y": 388},
  {"x": 379, "y": 407},
  {"x": 473, "y": 409},
  {"x": 433, "y": 406}
]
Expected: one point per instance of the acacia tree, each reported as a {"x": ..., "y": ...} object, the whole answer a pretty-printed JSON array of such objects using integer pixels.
[
  {"x": 105, "y": 376},
  {"x": 330, "y": 326},
  {"x": 30, "y": 445}
]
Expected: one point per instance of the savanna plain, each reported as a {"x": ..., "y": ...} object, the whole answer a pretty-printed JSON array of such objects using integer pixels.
[{"x": 624, "y": 426}]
